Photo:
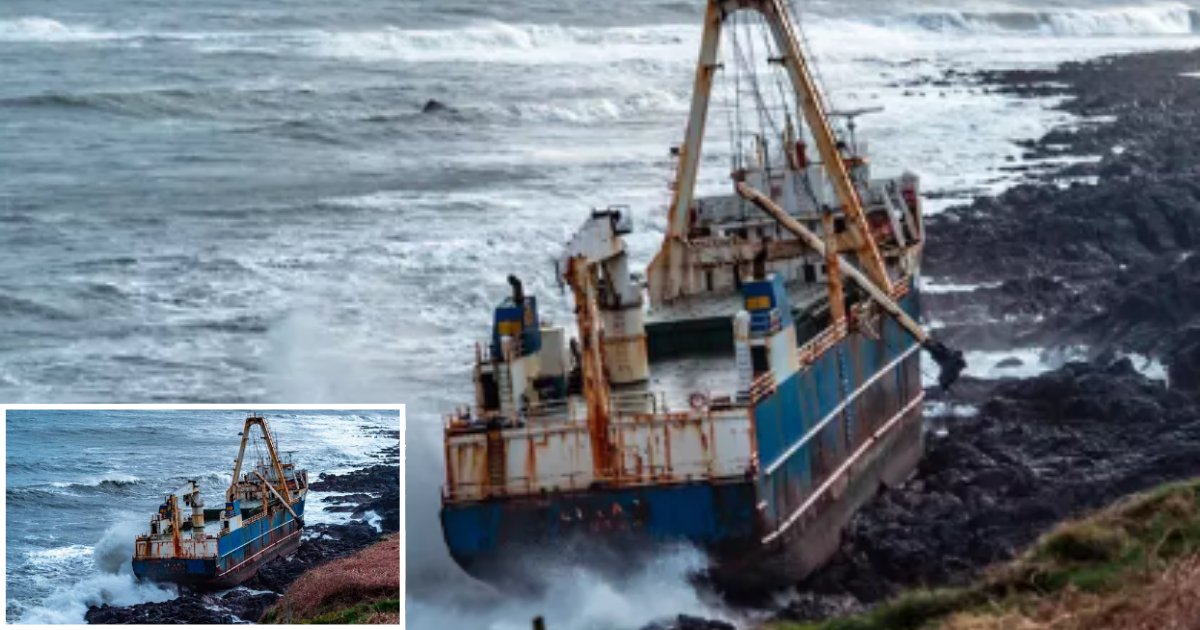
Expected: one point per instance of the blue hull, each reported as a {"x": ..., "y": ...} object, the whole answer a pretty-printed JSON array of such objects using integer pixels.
[
  {"x": 861, "y": 401},
  {"x": 239, "y": 554}
]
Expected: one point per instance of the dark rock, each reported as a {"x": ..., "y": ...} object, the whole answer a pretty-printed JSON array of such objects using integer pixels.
[
  {"x": 373, "y": 479},
  {"x": 1041, "y": 450},
  {"x": 809, "y": 607},
  {"x": 1008, "y": 362},
  {"x": 347, "y": 498},
  {"x": 687, "y": 622},
  {"x": 381, "y": 479},
  {"x": 433, "y": 106}
]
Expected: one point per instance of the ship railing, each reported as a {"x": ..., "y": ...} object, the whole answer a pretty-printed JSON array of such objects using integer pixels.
[
  {"x": 762, "y": 387},
  {"x": 551, "y": 410},
  {"x": 566, "y": 409},
  {"x": 825, "y": 340}
]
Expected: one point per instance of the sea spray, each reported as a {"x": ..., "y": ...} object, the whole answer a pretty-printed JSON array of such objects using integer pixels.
[
  {"x": 576, "y": 599},
  {"x": 440, "y": 595},
  {"x": 114, "y": 552},
  {"x": 115, "y": 585}
]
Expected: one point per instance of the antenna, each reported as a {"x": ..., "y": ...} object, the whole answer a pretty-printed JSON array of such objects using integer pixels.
[{"x": 850, "y": 115}]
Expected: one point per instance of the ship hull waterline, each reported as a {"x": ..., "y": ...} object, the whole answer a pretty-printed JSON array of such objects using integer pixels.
[
  {"x": 240, "y": 555},
  {"x": 499, "y": 539}
]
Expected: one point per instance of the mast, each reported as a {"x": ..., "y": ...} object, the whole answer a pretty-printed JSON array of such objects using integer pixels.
[
  {"x": 668, "y": 272},
  {"x": 818, "y": 124},
  {"x": 665, "y": 273},
  {"x": 261, "y": 422}
]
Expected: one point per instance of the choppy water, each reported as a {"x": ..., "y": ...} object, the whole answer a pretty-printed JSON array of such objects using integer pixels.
[
  {"x": 81, "y": 484},
  {"x": 216, "y": 202}
]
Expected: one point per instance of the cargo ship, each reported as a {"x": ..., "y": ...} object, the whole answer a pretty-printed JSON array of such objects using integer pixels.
[
  {"x": 746, "y": 395},
  {"x": 262, "y": 519}
]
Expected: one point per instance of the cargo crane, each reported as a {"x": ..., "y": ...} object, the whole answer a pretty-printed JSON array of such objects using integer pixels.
[{"x": 743, "y": 400}]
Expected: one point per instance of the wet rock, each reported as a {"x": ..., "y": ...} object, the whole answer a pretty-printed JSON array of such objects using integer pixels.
[
  {"x": 386, "y": 506},
  {"x": 347, "y": 498},
  {"x": 688, "y": 622},
  {"x": 207, "y": 609},
  {"x": 1041, "y": 450},
  {"x": 434, "y": 106},
  {"x": 1009, "y": 362},
  {"x": 373, "y": 479},
  {"x": 247, "y": 605},
  {"x": 809, "y": 607},
  {"x": 1185, "y": 362},
  {"x": 1108, "y": 265}
]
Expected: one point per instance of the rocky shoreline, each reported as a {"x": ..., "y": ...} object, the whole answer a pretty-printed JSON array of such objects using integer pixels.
[
  {"x": 1106, "y": 267},
  {"x": 1096, "y": 257},
  {"x": 372, "y": 489}
]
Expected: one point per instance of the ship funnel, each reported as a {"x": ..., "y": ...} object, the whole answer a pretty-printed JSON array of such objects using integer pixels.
[
  {"x": 518, "y": 291},
  {"x": 760, "y": 264}
]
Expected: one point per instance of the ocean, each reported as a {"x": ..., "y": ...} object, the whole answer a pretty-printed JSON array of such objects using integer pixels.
[
  {"x": 82, "y": 484},
  {"x": 216, "y": 203}
]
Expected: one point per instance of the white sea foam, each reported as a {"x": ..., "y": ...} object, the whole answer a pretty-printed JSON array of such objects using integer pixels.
[
  {"x": 1151, "y": 19},
  {"x": 1149, "y": 367},
  {"x": 68, "y": 553},
  {"x": 943, "y": 409},
  {"x": 374, "y": 520},
  {"x": 114, "y": 585},
  {"x": 501, "y": 42},
  {"x": 112, "y": 478},
  {"x": 314, "y": 510},
  {"x": 1012, "y": 363},
  {"x": 577, "y": 599},
  {"x": 43, "y": 29},
  {"x": 69, "y": 604},
  {"x": 929, "y": 285}
]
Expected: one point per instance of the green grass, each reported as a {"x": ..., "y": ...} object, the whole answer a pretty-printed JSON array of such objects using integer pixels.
[
  {"x": 1098, "y": 554},
  {"x": 358, "y": 613}
]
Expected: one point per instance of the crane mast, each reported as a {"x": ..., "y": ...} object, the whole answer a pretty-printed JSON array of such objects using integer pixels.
[{"x": 668, "y": 274}]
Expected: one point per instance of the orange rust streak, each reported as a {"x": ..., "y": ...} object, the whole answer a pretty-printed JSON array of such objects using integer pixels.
[{"x": 595, "y": 389}]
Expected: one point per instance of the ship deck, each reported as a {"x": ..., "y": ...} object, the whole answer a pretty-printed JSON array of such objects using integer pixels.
[{"x": 803, "y": 295}]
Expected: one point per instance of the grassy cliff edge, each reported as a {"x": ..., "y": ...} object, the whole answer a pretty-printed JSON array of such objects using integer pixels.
[
  {"x": 362, "y": 588},
  {"x": 1134, "y": 564}
]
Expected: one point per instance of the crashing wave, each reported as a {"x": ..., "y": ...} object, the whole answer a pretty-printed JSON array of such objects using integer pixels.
[
  {"x": 42, "y": 29},
  {"x": 1158, "y": 19}
]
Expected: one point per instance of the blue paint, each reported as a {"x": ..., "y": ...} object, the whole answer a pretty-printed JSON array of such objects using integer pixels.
[
  {"x": 718, "y": 515},
  {"x": 702, "y": 513},
  {"x": 174, "y": 569},
  {"x": 805, "y": 399},
  {"x": 778, "y": 304},
  {"x": 525, "y": 317},
  {"x": 233, "y": 548}
]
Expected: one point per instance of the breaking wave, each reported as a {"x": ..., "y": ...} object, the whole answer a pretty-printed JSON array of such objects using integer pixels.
[
  {"x": 1158, "y": 19},
  {"x": 42, "y": 29},
  {"x": 115, "y": 585},
  {"x": 61, "y": 554},
  {"x": 500, "y": 41},
  {"x": 578, "y": 599},
  {"x": 109, "y": 482}
]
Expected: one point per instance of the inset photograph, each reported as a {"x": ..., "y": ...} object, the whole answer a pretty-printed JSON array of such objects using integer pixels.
[{"x": 203, "y": 516}]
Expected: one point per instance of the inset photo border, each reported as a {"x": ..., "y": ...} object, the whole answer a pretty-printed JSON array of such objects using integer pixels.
[{"x": 203, "y": 514}]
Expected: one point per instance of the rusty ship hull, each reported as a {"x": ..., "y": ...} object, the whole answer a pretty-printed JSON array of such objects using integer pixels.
[
  {"x": 262, "y": 519},
  {"x": 234, "y": 559},
  {"x": 747, "y": 394},
  {"x": 825, "y": 439}
]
